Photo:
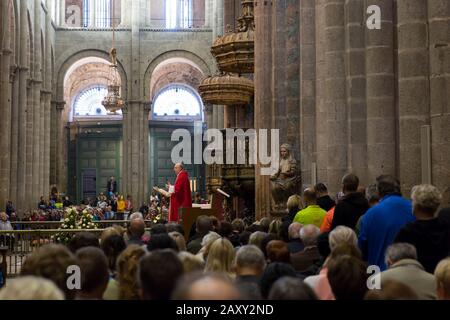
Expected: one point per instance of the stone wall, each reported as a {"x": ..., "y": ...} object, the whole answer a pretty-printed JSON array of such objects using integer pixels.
[{"x": 365, "y": 95}]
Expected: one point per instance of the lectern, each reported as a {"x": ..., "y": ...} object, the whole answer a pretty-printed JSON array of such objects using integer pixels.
[{"x": 188, "y": 216}]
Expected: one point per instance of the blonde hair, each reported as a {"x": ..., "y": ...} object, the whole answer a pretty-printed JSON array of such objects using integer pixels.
[
  {"x": 220, "y": 256},
  {"x": 179, "y": 240},
  {"x": 31, "y": 288},
  {"x": 342, "y": 235},
  {"x": 275, "y": 227},
  {"x": 442, "y": 274},
  {"x": 191, "y": 263},
  {"x": 294, "y": 202},
  {"x": 127, "y": 266}
]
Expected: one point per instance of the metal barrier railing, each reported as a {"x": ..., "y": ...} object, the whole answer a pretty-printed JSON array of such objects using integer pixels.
[
  {"x": 18, "y": 244},
  {"x": 101, "y": 224}
]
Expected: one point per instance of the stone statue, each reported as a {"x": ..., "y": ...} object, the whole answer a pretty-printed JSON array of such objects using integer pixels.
[{"x": 285, "y": 182}]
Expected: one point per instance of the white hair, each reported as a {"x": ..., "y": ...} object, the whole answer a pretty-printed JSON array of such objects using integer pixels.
[
  {"x": 309, "y": 234},
  {"x": 400, "y": 251},
  {"x": 136, "y": 215},
  {"x": 31, "y": 288},
  {"x": 342, "y": 234},
  {"x": 426, "y": 197}
]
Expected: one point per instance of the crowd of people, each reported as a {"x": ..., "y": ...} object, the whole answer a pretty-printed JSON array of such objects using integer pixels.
[{"x": 368, "y": 243}]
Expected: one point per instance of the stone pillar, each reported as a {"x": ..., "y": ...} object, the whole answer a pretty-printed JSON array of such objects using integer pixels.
[
  {"x": 439, "y": 37},
  {"x": 278, "y": 66},
  {"x": 381, "y": 114},
  {"x": 307, "y": 86},
  {"x": 5, "y": 127},
  {"x": 218, "y": 27},
  {"x": 208, "y": 13},
  {"x": 22, "y": 112},
  {"x": 335, "y": 93},
  {"x": 58, "y": 141},
  {"x": 36, "y": 105},
  {"x": 355, "y": 26},
  {"x": 135, "y": 124},
  {"x": 14, "y": 135},
  {"x": 292, "y": 82},
  {"x": 47, "y": 141},
  {"x": 413, "y": 87},
  {"x": 321, "y": 111},
  {"x": 135, "y": 146},
  {"x": 263, "y": 96},
  {"x": 62, "y": 13},
  {"x": 125, "y": 13}
]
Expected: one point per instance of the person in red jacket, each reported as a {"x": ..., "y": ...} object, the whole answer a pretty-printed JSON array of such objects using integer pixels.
[{"x": 180, "y": 193}]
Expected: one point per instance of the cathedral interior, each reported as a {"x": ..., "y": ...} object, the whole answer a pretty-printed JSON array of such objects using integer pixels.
[{"x": 349, "y": 89}]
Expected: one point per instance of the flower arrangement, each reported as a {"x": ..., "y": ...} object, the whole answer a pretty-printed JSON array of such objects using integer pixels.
[
  {"x": 72, "y": 221},
  {"x": 69, "y": 223},
  {"x": 87, "y": 221}
]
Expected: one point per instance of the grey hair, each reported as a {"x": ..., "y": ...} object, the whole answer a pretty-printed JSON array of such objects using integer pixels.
[
  {"x": 31, "y": 288},
  {"x": 400, "y": 251},
  {"x": 136, "y": 215},
  {"x": 309, "y": 234},
  {"x": 210, "y": 237},
  {"x": 250, "y": 256},
  {"x": 426, "y": 197},
  {"x": 341, "y": 235}
]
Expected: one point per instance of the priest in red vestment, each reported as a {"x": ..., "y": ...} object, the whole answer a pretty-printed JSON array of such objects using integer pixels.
[{"x": 180, "y": 193}]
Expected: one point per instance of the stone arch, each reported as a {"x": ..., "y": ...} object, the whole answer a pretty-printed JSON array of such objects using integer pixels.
[
  {"x": 185, "y": 55},
  {"x": 94, "y": 53}
]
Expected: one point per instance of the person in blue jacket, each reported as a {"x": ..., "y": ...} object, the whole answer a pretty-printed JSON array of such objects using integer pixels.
[{"x": 381, "y": 223}]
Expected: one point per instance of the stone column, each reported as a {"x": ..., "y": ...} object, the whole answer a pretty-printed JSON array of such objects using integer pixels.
[
  {"x": 292, "y": 83},
  {"x": 218, "y": 27},
  {"x": 208, "y": 13},
  {"x": 14, "y": 135},
  {"x": 135, "y": 124},
  {"x": 47, "y": 141},
  {"x": 307, "y": 86},
  {"x": 62, "y": 13},
  {"x": 439, "y": 37},
  {"x": 263, "y": 96},
  {"x": 335, "y": 94},
  {"x": 381, "y": 114},
  {"x": 413, "y": 87},
  {"x": 5, "y": 127},
  {"x": 355, "y": 26},
  {"x": 59, "y": 140},
  {"x": 36, "y": 105},
  {"x": 321, "y": 111},
  {"x": 22, "y": 112}
]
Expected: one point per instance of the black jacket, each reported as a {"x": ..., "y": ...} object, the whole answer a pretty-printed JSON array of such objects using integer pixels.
[
  {"x": 349, "y": 210},
  {"x": 326, "y": 203},
  {"x": 431, "y": 239}
]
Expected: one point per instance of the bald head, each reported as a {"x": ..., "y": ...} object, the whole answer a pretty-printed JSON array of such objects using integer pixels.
[
  {"x": 178, "y": 167},
  {"x": 137, "y": 227},
  {"x": 208, "y": 287}
]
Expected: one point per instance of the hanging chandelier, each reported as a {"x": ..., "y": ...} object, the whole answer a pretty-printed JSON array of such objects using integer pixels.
[{"x": 113, "y": 101}]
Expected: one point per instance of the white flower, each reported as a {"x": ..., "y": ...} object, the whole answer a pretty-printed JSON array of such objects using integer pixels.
[
  {"x": 66, "y": 220},
  {"x": 71, "y": 227}
]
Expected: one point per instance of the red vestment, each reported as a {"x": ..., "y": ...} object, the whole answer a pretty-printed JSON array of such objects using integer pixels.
[{"x": 181, "y": 197}]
